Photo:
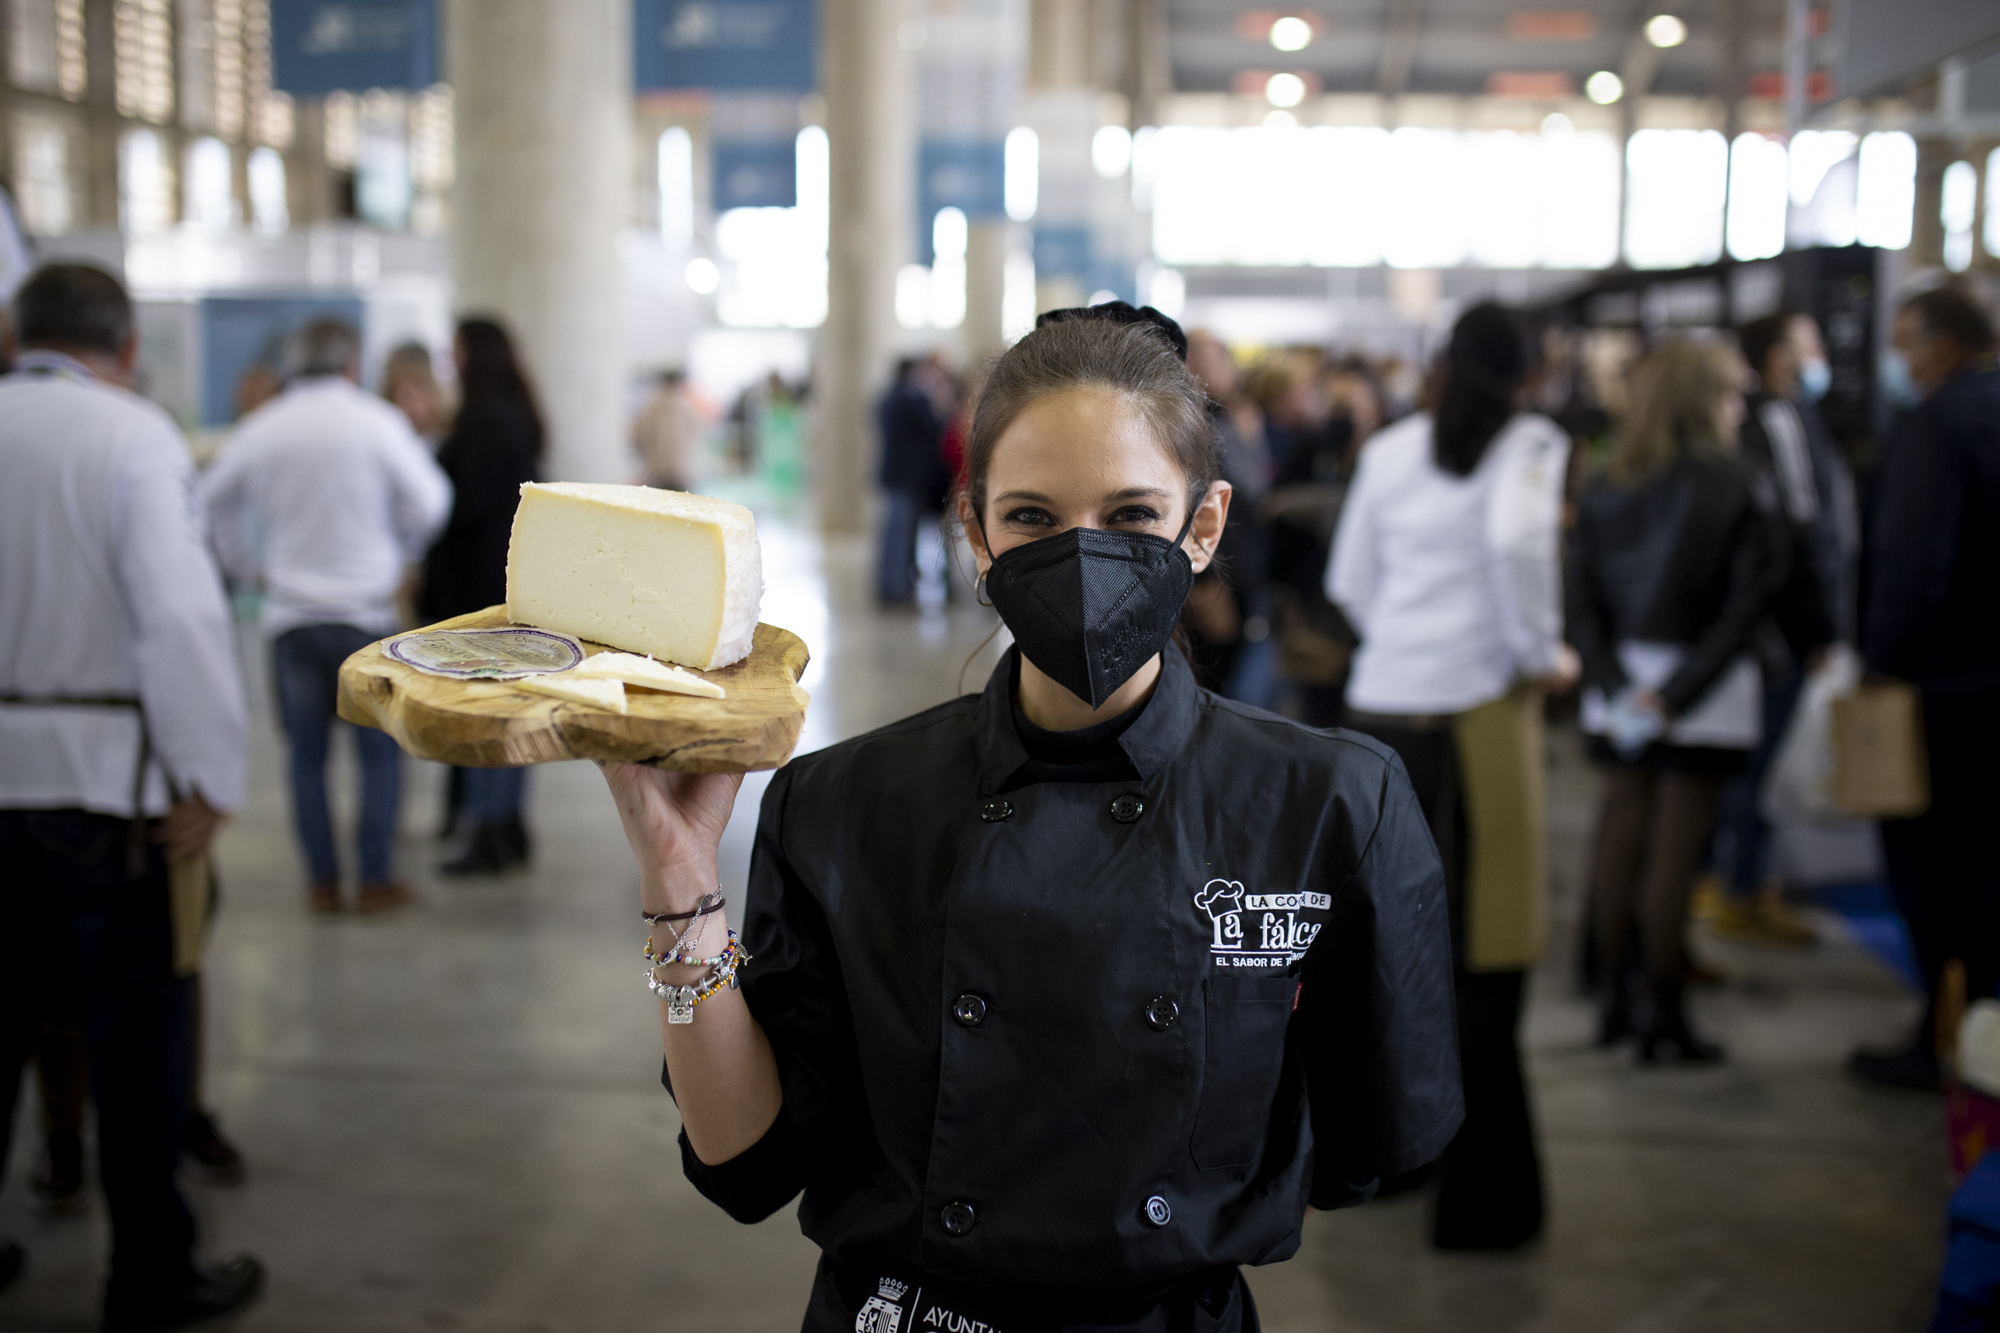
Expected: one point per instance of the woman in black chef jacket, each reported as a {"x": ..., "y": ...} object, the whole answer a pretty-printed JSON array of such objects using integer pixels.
[{"x": 1064, "y": 999}]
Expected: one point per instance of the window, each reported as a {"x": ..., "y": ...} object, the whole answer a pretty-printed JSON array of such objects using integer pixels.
[
  {"x": 143, "y": 39},
  {"x": 676, "y": 172},
  {"x": 209, "y": 202},
  {"x": 1759, "y": 192},
  {"x": 1993, "y": 203},
  {"x": 1674, "y": 191},
  {"x": 145, "y": 183},
  {"x": 778, "y": 255},
  {"x": 1358, "y": 196},
  {"x": 270, "y": 212},
  {"x": 1885, "y": 192},
  {"x": 45, "y": 47},
  {"x": 42, "y": 173}
]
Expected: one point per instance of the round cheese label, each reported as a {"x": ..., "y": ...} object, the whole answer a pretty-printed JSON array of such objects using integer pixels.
[{"x": 487, "y": 654}]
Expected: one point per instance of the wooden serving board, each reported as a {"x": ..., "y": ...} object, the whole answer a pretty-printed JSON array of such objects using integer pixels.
[{"x": 492, "y": 724}]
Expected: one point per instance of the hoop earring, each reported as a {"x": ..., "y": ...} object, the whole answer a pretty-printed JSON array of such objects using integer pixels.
[{"x": 979, "y": 590}]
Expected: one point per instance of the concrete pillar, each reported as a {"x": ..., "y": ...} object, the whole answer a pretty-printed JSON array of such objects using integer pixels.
[
  {"x": 982, "y": 335},
  {"x": 868, "y": 83},
  {"x": 544, "y": 97}
]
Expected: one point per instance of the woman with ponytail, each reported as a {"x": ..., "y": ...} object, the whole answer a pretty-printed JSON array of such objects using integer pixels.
[{"x": 1446, "y": 565}]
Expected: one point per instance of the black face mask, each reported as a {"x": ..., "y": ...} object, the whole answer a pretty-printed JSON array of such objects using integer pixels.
[{"x": 1089, "y": 607}]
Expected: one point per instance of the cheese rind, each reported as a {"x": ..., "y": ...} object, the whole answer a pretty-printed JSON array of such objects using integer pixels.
[
  {"x": 671, "y": 575},
  {"x": 570, "y": 688},
  {"x": 645, "y": 673}
]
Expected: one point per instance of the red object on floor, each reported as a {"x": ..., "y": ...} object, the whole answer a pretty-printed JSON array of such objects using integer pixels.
[{"x": 1972, "y": 1121}]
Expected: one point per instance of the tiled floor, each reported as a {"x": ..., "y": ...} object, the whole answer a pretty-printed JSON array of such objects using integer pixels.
[{"x": 453, "y": 1118}]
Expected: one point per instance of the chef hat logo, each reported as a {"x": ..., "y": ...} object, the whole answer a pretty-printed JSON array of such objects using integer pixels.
[{"x": 1219, "y": 898}]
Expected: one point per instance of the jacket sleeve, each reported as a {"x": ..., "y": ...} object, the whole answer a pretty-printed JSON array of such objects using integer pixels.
[
  {"x": 1523, "y": 521},
  {"x": 420, "y": 494},
  {"x": 794, "y": 989},
  {"x": 181, "y": 632},
  {"x": 1913, "y": 536},
  {"x": 1352, "y": 572},
  {"x": 1755, "y": 567},
  {"x": 1376, "y": 1017},
  {"x": 1588, "y": 626}
]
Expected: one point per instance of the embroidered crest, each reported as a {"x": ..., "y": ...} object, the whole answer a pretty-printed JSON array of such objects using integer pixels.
[
  {"x": 1258, "y": 930},
  {"x": 884, "y": 1312}
]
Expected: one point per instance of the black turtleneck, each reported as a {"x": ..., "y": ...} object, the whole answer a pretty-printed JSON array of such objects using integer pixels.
[{"x": 1092, "y": 754}]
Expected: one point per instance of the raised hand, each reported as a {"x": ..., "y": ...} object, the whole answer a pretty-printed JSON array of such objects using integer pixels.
[{"x": 674, "y": 823}]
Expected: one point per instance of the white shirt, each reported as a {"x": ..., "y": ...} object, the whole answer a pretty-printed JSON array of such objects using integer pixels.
[
  {"x": 1453, "y": 583},
  {"x": 107, "y": 591},
  {"x": 324, "y": 495}
]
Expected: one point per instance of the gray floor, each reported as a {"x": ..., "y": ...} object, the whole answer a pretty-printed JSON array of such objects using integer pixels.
[{"x": 453, "y": 1118}]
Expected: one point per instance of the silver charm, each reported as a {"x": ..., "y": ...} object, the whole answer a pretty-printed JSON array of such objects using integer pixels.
[{"x": 680, "y": 1005}]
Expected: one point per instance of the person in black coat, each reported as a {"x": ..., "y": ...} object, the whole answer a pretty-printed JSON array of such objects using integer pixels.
[
  {"x": 494, "y": 446},
  {"x": 1786, "y": 444},
  {"x": 1671, "y": 565},
  {"x": 915, "y": 480},
  {"x": 1928, "y": 617}
]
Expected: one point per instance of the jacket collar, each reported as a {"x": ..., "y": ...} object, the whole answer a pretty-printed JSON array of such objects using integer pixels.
[{"x": 1150, "y": 743}]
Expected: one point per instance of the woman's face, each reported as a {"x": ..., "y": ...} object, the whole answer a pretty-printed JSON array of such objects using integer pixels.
[{"x": 1085, "y": 458}]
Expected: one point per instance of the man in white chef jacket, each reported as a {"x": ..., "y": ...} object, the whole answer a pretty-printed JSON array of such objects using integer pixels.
[
  {"x": 122, "y": 735},
  {"x": 323, "y": 497}
]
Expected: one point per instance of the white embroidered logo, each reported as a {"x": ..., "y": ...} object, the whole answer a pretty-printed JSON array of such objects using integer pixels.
[
  {"x": 1280, "y": 936},
  {"x": 882, "y": 1314}
]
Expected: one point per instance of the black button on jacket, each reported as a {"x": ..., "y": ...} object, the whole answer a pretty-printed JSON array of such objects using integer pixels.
[{"x": 1280, "y": 890}]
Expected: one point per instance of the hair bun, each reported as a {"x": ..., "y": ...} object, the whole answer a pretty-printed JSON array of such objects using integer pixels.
[{"x": 1122, "y": 312}]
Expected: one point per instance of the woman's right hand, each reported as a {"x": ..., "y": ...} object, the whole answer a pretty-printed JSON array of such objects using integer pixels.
[{"x": 674, "y": 823}]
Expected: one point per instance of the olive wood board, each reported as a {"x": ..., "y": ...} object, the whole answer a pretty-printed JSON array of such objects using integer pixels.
[{"x": 491, "y": 724}]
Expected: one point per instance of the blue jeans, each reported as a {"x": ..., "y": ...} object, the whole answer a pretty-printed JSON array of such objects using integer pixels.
[
  {"x": 305, "y": 672},
  {"x": 84, "y": 940},
  {"x": 493, "y": 795},
  {"x": 895, "y": 576}
]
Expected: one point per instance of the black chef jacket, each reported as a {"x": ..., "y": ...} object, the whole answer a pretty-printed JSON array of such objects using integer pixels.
[{"x": 1066, "y": 1036}]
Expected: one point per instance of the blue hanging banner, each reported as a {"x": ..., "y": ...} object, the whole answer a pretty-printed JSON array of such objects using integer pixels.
[
  {"x": 967, "y": 174},
  {"x": 319, "y": 47},
  {"x": 737, "y": 45},
  {"x": 756, "y": 173}
]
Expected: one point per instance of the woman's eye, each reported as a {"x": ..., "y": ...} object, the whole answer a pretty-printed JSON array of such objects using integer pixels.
[
  {"x": 1030, "y": 518},
  {"x": 1134, "y": 515}
]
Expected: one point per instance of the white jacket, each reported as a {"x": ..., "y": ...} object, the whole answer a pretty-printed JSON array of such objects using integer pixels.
[{"x": 1453, "y": 583}]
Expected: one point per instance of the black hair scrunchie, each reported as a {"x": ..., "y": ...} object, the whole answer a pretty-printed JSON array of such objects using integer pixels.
[{"x": 1122, "y": 312}]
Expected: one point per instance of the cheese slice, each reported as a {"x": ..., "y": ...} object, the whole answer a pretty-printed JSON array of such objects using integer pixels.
[
  {"x": 671, "y": 575},
  {"x": 566, "y": 686},
  {"x": 646, "y": 673}
]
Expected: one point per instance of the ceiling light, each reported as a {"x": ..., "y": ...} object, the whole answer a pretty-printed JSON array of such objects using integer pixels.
[
  {"x": 1285, "y": 90},
  {"x": 1291, "y": 33},
  {"x": 1280, "y": 120},
  {"x": 1665, "y": 30},
  {"x": 1557, "y": 123},
  {"x": 1604, "y": 87},
  {"x": 703, "y": 277}
]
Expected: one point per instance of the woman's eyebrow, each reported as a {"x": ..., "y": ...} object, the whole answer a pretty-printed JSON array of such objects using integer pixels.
[
  {"x": 1139, "y": 493},
  {"x": 1035, "y": 497}
]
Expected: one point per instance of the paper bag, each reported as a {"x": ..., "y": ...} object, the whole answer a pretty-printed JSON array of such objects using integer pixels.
[{"x": 1880, "y": 769}]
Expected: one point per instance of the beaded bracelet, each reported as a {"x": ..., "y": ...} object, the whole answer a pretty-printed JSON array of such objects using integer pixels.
[{"x": 681, "y": 1000}]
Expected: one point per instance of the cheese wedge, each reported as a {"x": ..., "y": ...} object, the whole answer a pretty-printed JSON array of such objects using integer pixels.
[
  {"x": 566, "y": 686},
  {"x": 671, "y": 575},
  {"x": 645, "y": 673}
]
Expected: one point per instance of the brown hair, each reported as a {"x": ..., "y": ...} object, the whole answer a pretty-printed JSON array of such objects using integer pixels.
[
  {"x": 1952, "y": 312},
  {"x": 1134, "y": 361},
  {"x": 1676, "y": 391}
]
